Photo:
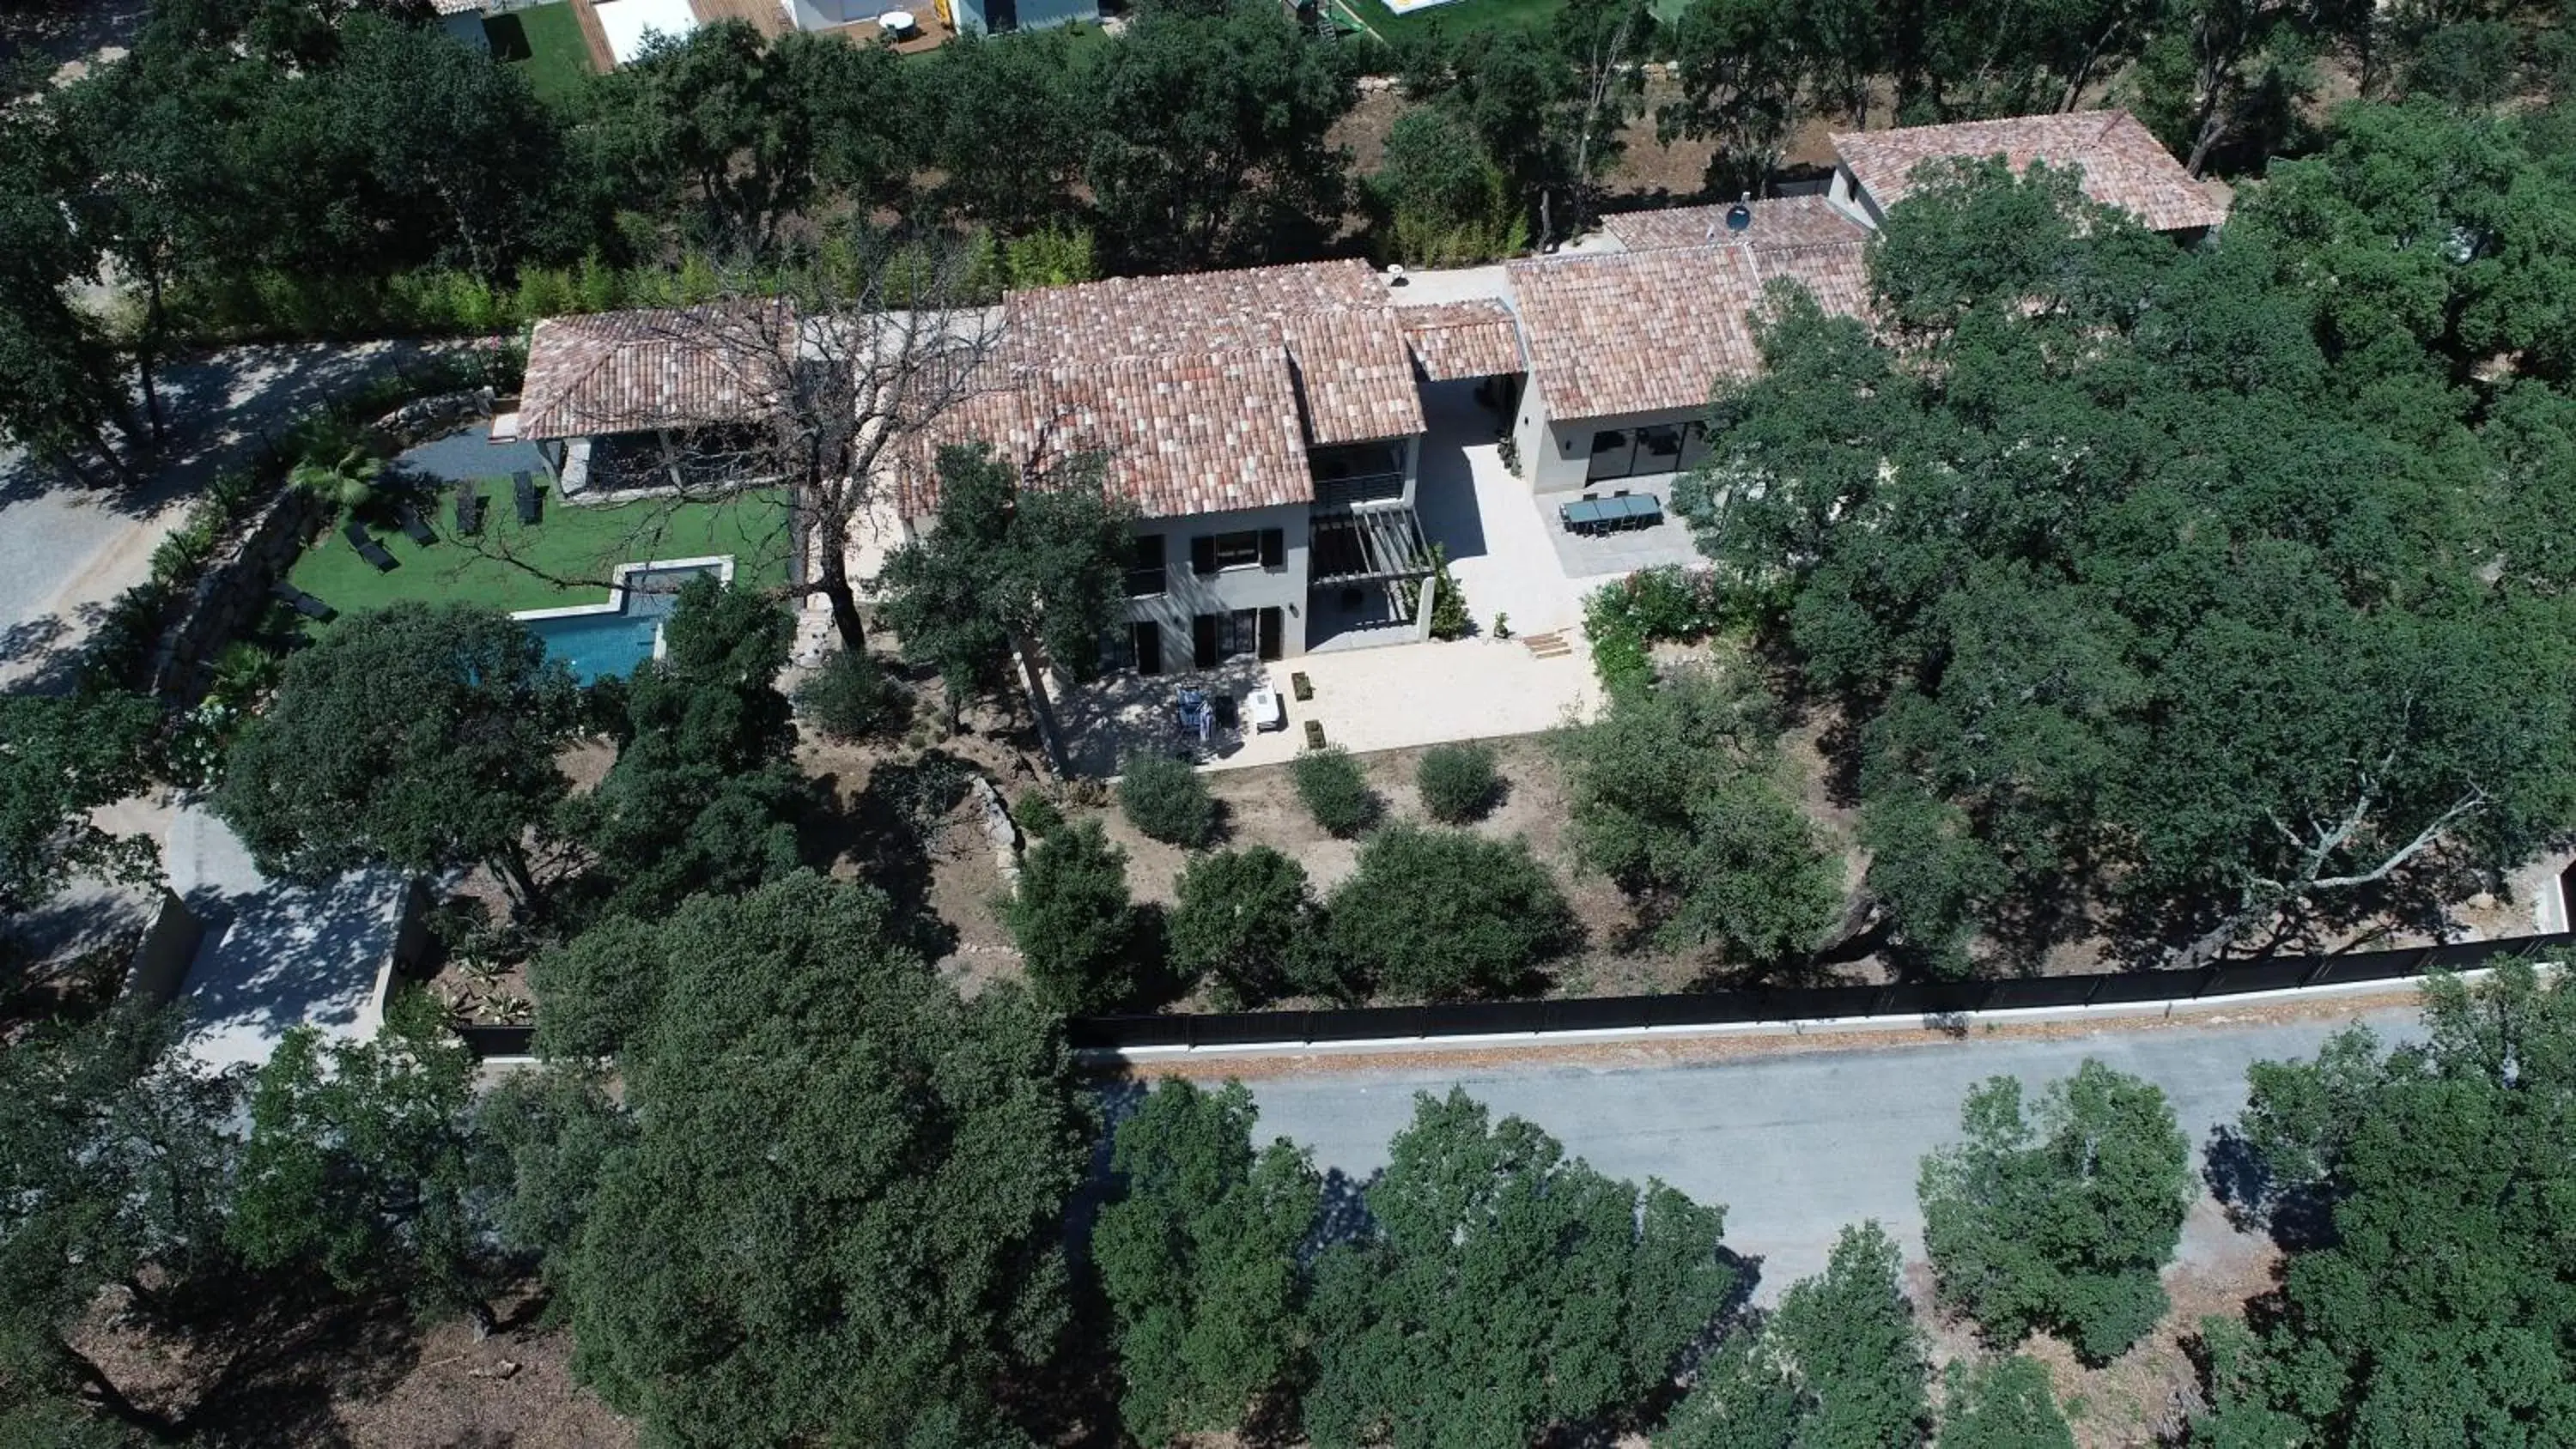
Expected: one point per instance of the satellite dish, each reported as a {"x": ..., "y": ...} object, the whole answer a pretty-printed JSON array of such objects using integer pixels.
[{"x": 1739, "y": 217}]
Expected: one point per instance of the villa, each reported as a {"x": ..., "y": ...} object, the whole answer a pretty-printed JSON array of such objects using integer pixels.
[{"x": 1274, "y": 427}]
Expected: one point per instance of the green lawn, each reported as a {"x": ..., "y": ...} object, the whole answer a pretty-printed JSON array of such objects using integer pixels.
[
  {"x": 545, "y": 43},
  {"x": 510, "y": 567}
]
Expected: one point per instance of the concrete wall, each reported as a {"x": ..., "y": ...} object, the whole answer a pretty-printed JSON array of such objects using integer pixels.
[
  {"x": 1186, "y": 595},
  {"x": 1853, "y": 200},
  {"x": 161, "y": 961}
]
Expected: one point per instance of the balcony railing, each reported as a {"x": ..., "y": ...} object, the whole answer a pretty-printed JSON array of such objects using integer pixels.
[{"x": 1343, "y": 493}]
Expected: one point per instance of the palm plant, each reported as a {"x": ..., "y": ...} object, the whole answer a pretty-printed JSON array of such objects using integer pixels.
[{"x": 349, "y": 482}]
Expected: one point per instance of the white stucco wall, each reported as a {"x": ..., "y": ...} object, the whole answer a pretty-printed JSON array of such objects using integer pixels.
[{"x": 1187, "y": 595}]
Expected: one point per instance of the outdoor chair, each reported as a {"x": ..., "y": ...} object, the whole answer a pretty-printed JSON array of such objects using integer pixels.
[
  {"x": 305, "y": 604},
  {"x": 469, "y": 510},
  {"x": 526, "y": 488},
  {"x": 414, "y": 527},
  {"x": 368, "y": 549}
]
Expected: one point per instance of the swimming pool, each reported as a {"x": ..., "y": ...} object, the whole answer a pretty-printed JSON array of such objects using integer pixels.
[
  {"x": 598, "y": 645},
  {"x": 598, "y": 641}
]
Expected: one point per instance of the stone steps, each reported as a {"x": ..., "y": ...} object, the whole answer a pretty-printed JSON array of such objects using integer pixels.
[{"x": 1547, "y": 646}]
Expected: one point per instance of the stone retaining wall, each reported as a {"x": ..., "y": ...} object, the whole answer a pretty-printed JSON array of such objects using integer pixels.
[{"x": 234, "y": 589}]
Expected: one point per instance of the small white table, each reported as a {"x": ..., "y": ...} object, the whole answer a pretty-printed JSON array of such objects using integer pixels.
[
  {"x": 1262, "y": 706},
  {"x": 896, "y": 22}
]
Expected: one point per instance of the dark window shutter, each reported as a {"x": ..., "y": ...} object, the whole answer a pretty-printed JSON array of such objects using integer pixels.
[
  {"x": 1274, "y": 548},
  {"x": 1203, "y": 641},
  {"x": 1146, "y": 637},
  {"x": 1203, "y": 554},
  {"x": 1270, "y": 633}
]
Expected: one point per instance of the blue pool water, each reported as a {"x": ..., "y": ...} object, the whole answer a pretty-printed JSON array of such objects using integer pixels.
[{"x": 599, "y": 645}]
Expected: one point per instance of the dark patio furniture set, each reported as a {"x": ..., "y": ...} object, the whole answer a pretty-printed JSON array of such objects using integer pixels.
[{"x": 1617, "y": 513}]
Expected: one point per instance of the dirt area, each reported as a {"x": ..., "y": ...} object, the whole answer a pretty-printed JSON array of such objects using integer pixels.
[
  {"x": 364, "y": 1376},
  {"x": 1649, "y": 173},
  {"x": 2146, "y": 1396},
  {"x": 1260, "y": 807}
]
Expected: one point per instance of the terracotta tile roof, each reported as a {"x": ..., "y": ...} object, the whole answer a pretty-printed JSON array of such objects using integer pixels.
[
  {"x": 1837, "y": 274},
  {"x": 1455, "y": 340},
  {"x": 1183, "y": 432},
  {"x": 621, "y": 372},
  {"x": 2123, "y": 164},
  {"x": 1205, "y": 388},
  {"x": 1355, "y": 374},
  {"x": 1651, "y": 331},
  {"x": 1634, "y": 332},
  {"x": 1779, "y": 221}
]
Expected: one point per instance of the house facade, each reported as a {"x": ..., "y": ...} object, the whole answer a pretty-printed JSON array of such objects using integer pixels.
[{"x": 1266, "y": 425}]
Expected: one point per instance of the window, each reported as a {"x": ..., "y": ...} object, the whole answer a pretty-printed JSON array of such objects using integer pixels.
[
  {"x": 1216, "y": 638},
  {"x": 1694, "y": 444},
  {"x": 1659, "y": 450},
  {"x": 1614, "y": 454},
  {"x": 1214, "y": 552},
  {"x": 1145, "y": 566},
  {"x": 1145, "y": 646},
  {"x": 1238, "y": 550}
]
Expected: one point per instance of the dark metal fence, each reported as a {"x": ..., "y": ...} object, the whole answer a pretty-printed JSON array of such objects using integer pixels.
[{"x": 1786, "y": 1003}]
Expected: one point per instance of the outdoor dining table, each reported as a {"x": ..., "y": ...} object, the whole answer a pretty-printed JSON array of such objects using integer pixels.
[{"x": 1600, "y": 515}]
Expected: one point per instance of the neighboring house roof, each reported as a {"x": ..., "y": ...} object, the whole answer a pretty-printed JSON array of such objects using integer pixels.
[
  {"x": 1204, "y": 389},
  {"x": 625, "y": 372},
  {"x": 2122, "y": 163},
  {"x": 1652, "y": 331},
  {"x": 1452, "y": 341},
  {"x": 457, "y": 7},
  {"x": 1780, "y": 221}
]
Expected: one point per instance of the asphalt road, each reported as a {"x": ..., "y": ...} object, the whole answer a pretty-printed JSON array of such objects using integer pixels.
[{"x": 1796, "y": 1146}]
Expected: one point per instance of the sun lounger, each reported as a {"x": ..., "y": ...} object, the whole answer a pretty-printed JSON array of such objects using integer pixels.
[
  {"x": 526, "y": 488},
  {"x": 368, "y": 549},
  {"x": 415, "y": 527},
  {"x": 305, "y": 604},
  {"x": 469, "y": 510}
]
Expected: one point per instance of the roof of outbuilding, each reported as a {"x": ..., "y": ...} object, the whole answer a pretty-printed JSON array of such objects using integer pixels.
[
  {"x": 2121, "y": 162},
  {"x": 1633, "y": 332},
  {"x": 1652, "y": 331},
  {"x": 1457, "y": 340},
  {"x": 624, "y": 372}
]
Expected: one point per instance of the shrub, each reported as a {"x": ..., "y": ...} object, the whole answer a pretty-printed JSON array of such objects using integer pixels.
[
  {"x": 1075, "y": 922},
  {"x": 1167, "y": 800},
  {"x": 1037, "y": 815},
  {"x": 1664, "y": 602},
  {"x": 1335, "y": 791},
  {"x": 1440, "y": 914},
  {"x": 1458, "y": 782},
  {"x": 852, "y": 698},
  {"x": 1241, "y": 920}
]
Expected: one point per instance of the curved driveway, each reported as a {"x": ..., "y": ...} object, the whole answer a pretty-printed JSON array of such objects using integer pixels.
[{"x": 1796, "y": 1145}]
